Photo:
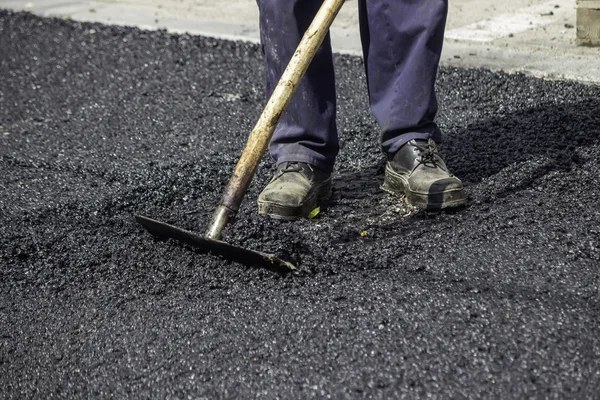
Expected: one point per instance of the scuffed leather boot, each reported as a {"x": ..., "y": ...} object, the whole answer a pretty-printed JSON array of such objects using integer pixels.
[
  {"x": 295, "y": 191},
  {"x": 418, "y": 171}
]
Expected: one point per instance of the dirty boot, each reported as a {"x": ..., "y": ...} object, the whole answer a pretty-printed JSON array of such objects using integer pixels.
[
  {"x": 295, "y": 191},
  {"x": 418, "y": 171}
]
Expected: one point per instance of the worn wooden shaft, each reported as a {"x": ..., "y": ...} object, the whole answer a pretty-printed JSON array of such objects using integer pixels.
[{"x": 263, "y": 131}]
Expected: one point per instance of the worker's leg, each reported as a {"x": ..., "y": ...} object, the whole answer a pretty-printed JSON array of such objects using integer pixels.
[
  {"x": 305, "y": 142},
  {"x": 402, "y": 43},
  {"x": 307, "y": 131}
]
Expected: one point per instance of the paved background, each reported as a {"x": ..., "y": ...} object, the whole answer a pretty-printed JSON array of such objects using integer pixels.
[{"x": 531, "y": 36}]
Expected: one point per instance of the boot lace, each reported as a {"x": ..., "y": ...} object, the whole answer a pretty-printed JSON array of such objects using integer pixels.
[{"x": 428, "y": 153}]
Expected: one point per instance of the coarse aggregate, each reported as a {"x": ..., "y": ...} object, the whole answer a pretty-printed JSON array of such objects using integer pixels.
[{"x": 496, "y": 300}]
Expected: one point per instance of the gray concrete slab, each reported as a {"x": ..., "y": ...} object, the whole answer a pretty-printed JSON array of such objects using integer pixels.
[{"x": 535, "y": 37}]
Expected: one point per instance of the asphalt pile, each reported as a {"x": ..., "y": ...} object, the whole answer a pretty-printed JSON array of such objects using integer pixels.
[{"x": 98, "y": 123}]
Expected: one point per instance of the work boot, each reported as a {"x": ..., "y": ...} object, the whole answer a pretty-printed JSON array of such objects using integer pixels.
[
  {"x": 295, "y": 191},
  {"x": 418, "y": 171}
]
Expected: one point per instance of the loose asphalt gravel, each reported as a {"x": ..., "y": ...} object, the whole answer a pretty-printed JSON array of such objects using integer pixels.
[{"x": 499, "y": 299}]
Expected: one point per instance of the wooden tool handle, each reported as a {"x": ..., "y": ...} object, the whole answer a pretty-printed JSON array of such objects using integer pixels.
[{"x": 263, "y": 131}]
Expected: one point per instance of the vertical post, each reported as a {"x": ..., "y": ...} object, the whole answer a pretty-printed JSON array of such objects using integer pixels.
[{"x": 588, "y": 22}]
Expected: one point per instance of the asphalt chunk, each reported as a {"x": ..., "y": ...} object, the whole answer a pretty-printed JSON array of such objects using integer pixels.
[{"x": 98, "y": 123}]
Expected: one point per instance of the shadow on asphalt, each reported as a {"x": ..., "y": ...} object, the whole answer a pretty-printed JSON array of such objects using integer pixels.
[{"x": 554, "y": 133}]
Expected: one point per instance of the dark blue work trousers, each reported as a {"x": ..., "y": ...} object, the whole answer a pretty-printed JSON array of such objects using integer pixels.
[{"x": 401, "y": 40}]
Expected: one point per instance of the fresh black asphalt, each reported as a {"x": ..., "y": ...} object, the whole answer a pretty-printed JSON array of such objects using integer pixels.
[{"x": 97, "y": 123}]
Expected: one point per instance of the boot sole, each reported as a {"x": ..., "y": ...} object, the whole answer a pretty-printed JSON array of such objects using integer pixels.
[
  {"x": 287, "y": 213},
  {"x": 396, "y": 185}
]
